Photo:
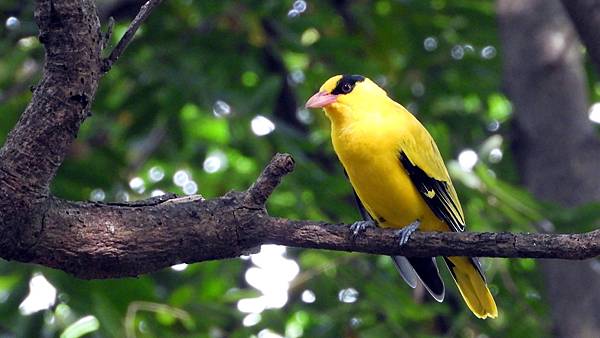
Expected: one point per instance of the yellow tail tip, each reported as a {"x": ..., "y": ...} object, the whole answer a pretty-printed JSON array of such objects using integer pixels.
[
  {"x": 492, "y": 314},
  {"x": 486, "y": 307},
  {"x": 473, "y": 288}
]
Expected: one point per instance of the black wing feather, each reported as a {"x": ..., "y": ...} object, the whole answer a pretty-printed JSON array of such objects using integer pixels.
[{"x": 441, "y": 203}]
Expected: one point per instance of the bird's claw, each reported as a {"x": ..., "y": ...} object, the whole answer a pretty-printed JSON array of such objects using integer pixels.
[
  {"x": 404, "y": 233},
  {"x": 360, "y": 226}
]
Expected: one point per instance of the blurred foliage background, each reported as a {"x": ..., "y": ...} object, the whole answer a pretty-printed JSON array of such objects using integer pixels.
[{"x": 203, "y": 98}]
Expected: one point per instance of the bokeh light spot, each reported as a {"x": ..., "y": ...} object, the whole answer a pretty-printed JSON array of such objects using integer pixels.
[
  {"x": 430, "y": 43},
  {"x": 156, "y": 174},
  {"x": 262, "y": 126},
  {"x": 467, "y": 159},
  {"x": 251, "y": 319},
  {"x": 488, "y": 52},
  {"x": 495, "y": 155},
  {"x": 190, "y": 187},
  {"x": 349, "y": 295},
  {"x": 266, "y": 333},
  {"x": 97, "y": 195},
  {"x": 12, "y": 23},
  {"x": 137, "y": 184},
  {"x": 457, "y": 52},
  {"x": 594, "y": 113},
  {"x": 179, "y": 267},
  {"x": 214, "y": 162},
  {"x": 308, "y": 296},
  {"x": 42, "y": 295},
  {"x": 156, "y": 193},
  {"x": 181, "y": 177},
  {"x": 221, "y": 109}
]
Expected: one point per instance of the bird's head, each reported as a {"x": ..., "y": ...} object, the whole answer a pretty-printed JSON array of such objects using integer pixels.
[{"x": 343, "y": 95}]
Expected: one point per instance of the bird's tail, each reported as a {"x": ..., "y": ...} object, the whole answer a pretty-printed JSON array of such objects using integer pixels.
[
  {"x": 424, "y": 269},
  {"x": 471, "y": 282}
]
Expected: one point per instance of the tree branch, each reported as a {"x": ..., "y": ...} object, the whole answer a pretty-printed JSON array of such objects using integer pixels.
[
  {"x": 142, "y": 15},
  {"x": 39, "y": 142},
  {"x": 271, "y": 176},
  {"x": 306, "y": 234}
]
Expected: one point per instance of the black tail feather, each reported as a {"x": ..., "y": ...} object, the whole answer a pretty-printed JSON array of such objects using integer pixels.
[{"x": 429, "y": 274}]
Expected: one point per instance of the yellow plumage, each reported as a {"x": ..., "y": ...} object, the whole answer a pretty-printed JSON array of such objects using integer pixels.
[{"x": 385, "y": 151}]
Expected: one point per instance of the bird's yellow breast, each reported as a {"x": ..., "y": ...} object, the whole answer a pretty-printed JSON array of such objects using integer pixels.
[{"x": 369, "y": 151}]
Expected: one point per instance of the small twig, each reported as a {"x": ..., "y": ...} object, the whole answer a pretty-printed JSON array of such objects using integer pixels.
[
  {"x": 269, "y": 179},
  {"x": 142, "y": 15}
]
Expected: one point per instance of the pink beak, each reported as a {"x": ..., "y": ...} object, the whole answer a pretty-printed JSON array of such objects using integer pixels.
[{"x": 320, "y": 100}]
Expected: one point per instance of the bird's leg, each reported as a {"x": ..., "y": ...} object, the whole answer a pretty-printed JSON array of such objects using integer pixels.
[
  {"x": 360, "y": 226},
  {"x": 404, "y": 233}
]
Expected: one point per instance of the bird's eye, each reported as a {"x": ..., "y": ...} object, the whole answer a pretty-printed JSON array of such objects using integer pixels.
[{"x": 346, "y": 88}]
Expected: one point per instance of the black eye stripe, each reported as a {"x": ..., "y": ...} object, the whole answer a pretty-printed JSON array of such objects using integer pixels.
[{"x": 346, "y": 84}]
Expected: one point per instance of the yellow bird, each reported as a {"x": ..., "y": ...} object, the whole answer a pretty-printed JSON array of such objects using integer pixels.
[{"x": 400, "y": 181}]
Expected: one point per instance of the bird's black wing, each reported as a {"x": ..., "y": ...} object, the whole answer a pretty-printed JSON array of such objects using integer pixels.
[{"x": 436, "y": 194}]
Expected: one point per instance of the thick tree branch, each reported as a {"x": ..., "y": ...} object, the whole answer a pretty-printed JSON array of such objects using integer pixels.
[
  {"x": 37, "y": 145},
  {"x": 39, "y": 142}
]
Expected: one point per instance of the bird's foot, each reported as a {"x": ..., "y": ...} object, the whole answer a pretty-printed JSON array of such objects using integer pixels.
[
  {"x": 360, "y": 226},
  {"x": 404, "y": 233}
]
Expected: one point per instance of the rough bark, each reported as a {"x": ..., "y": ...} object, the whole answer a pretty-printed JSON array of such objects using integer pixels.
[
  {"x": 555, "y": 145},
  {"x": 585, "y": 15},
  {"x": 35, "y": 148}
]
